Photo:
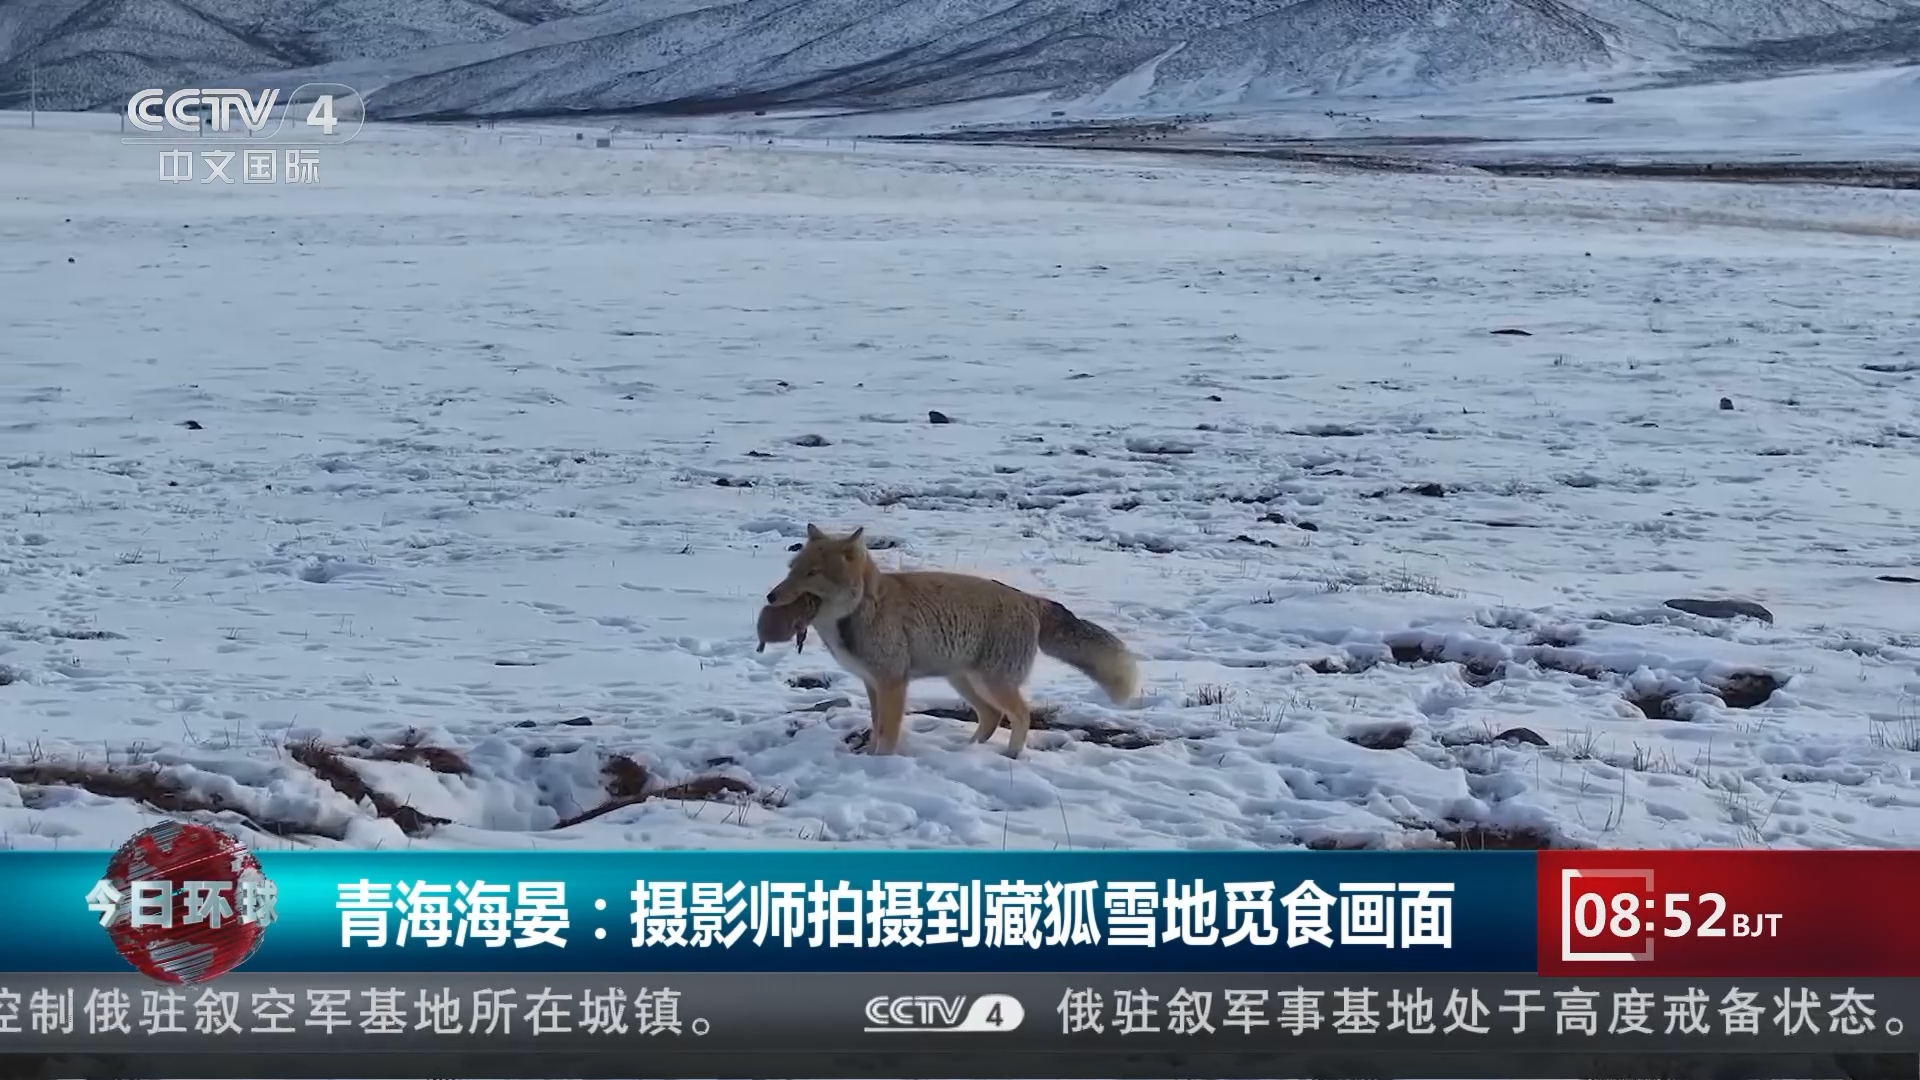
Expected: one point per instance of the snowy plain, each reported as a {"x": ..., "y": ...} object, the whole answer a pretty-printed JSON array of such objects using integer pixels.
[
  {"x": 432, "y": 504},
  {"x": 1865, "y": 114}
]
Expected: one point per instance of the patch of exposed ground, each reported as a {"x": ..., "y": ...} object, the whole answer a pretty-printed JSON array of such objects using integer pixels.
[
  {"x": 1484, "y": 665},
  {"x": 1047, "y": 718},
  {"x": 150, "y": 786},
  {"x": 330, "y": 763},
  {"x": 628, "y": 783},
  {"x": 1429, "y": 154}
]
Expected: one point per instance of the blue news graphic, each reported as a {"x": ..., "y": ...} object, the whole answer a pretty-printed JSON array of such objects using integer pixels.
[{"x": 450, "y": 911}]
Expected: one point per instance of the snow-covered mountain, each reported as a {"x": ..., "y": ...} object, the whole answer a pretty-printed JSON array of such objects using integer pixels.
[{"x": 422, "y": 58}]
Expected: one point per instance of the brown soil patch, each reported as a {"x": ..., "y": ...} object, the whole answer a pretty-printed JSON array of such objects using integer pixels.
[
  {"x": 1654, "y": 706},
  {"x": 1746, "y": 689},
  {"x": 1046, "y": 718},
  {"x": 1466, "y": 837},
  {"x": 1740, "y": 690},
  {"x": 413, "y": 751},
  {"x": 1387, "y": 738},
  {"x": 148, "y": 786},
  {"x": 1459, "y": 835},
  {"x": 329, "y": 764},
  {"x": 627, "y": 784}
]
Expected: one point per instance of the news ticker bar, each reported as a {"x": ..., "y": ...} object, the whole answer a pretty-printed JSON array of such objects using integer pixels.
[
  {"x": 750, "y": 1064},
  {"x": 1105, "y": 1024}
]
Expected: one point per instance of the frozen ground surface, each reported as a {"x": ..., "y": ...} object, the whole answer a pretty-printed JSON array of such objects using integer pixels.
[{"x": 478, "y": 456}]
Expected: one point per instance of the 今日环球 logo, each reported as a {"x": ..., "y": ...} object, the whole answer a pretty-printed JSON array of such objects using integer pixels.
[{"x": 184, "y": 903}]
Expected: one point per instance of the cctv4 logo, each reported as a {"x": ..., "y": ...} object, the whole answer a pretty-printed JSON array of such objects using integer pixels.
[
  {"x": 187, "y": 110},
  {"x": 926, "y": 1012}
]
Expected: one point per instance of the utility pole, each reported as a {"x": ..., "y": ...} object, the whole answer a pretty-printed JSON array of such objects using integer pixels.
[{"x": 33, "y": 97}]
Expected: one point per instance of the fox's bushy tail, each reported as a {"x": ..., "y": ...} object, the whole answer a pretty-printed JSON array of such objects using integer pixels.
[{"x": 1091, "y": 649}]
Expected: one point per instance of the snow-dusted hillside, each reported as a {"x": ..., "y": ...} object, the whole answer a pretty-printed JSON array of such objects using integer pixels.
[{"x": 466, "y": 57}]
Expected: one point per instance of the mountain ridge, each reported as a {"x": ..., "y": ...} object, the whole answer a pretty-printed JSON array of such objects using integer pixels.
[{"x": 441, "y": 59}]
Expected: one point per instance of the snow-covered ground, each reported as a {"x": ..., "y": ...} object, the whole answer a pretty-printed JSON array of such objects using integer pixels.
[
  {"x": 478, "y": 457},
  {"x": 1870, "y": 114}
]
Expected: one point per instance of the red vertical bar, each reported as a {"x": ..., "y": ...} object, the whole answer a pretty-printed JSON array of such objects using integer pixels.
[{"x": 1791, "y": 914}]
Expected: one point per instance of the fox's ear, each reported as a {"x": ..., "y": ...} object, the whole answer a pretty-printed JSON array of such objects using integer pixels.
[
  {"x": 814, "y": 533},
  {"x": 854, "y": 536}
]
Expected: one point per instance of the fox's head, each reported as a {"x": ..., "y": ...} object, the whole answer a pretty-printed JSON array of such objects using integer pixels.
[{"x": 833, "y": 568}]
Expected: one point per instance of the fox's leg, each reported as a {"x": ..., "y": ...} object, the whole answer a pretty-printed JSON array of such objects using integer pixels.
[
  {"x": 983, "y": 710},
  {"x": 889, "y": 714},
  {"x": 1006, "y": 695},
  {"x": 873, "y": 715}
]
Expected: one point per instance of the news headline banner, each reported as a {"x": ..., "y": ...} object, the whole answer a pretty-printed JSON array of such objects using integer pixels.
[
  {"x": 720, "y": 1024},
  {"x": 439, "y": 911},
  {"x": 186, "y": 902}
]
